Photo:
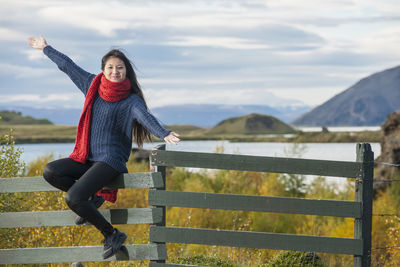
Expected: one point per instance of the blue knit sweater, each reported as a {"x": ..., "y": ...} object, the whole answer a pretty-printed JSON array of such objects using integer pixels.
[{"x": 112, "y": 122}]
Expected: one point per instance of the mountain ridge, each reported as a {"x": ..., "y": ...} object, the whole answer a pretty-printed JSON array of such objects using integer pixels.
[{"x": 366, "y": 103}]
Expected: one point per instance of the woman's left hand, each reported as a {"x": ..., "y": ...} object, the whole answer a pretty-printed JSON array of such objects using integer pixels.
[{"x": 172, "y": 138}]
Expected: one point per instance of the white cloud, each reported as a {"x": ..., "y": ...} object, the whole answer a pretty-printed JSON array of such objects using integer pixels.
[
  {"x": 261, "y": 50},
  {"x": 20, "y": 72},
  {"x": 386, "y": 6},
  {"x": 158, "y": 98},
  {"x": 33, "y": 54},
  {"x": 102, "y": 17},
  {"x": 224, "y": 42},
  {"x": 52, "y": 99},
  {"x": 386, "y": 40},
  {"x": 11, "y": 35},
  {"x": 193, "y": 80}
]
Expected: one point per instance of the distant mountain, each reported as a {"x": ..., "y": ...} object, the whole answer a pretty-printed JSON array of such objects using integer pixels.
[
  {"x": 14, "y": 118},
  {"x": 200, "y": 115},
  {"x": 208, "y": 115},
  {"x": 251, "y": 124},
  {"x": 368, "y": 102}
]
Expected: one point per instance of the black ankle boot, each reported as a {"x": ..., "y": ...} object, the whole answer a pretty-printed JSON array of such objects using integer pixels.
[{"x": 113, "y": 243}]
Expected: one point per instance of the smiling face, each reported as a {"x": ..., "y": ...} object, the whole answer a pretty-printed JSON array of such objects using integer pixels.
[{"x": 114, "y": 70}]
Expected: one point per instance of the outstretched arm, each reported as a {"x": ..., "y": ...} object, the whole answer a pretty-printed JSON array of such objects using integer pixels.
[
  {"x": 80, "y": 77},
  {"x": 145, "y": 118}
]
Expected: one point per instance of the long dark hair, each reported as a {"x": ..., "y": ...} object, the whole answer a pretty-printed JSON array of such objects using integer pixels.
[{"x": 139, "y": 132}]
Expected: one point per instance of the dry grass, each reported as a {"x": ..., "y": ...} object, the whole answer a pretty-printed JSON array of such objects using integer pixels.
[
  {"x": 67, "y": 134},
  {"x": 41, "y": 133}
]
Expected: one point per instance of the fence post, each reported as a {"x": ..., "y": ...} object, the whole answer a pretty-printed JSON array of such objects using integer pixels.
[
  {"x": 162, "y": 170},
  {"x": 364, "y": 194}
]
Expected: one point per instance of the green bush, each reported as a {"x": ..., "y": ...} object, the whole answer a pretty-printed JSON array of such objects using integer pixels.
[
  {"x": 296, "y": 259},
  {"x": 10, "y": 162},
  {"x": 10, "y": 166},
  {"x": 205, "y": 261}
]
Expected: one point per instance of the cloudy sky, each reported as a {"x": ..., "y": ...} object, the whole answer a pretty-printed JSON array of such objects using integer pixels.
[{"x": 276, "y": 53}]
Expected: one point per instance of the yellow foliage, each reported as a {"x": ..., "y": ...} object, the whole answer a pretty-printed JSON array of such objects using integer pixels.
[
  {"x": 386, "y": 229},
  {"x": 36, "y": 167},
  {"x": 385, "y": 232}
]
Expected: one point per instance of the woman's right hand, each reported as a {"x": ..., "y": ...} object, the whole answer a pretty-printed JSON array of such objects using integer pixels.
[{"x": 37, "y": 43}]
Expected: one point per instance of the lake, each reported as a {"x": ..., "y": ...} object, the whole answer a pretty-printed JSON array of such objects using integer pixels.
[
  {"x": 340, "y": 128},
  {"x": 325, "y": 151}
]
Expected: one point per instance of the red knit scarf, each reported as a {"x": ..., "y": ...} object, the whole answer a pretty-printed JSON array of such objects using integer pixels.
[{"x": 109, "y": 91}]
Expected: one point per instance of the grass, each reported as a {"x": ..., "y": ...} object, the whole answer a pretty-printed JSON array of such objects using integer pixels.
[
  {"x": 41, "y": 133},
  {"x": 66, "y": 134}
]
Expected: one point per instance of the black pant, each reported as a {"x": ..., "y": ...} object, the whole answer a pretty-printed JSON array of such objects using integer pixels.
[{"x": 81, "y": 181}]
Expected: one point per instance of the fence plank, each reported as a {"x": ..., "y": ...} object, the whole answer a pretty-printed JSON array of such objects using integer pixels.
[
  {"x": 162, "y": 170},
  {"x": 73, "y": 254},
  {"x": 255, "y": 240},
  {"x": 364, "y": 193},
  {"x": 66, "y": 217},
  {"x": 255, "y": 203},
  {"x": 38, "y": 184},
  {"x": 255, "y": 163}
]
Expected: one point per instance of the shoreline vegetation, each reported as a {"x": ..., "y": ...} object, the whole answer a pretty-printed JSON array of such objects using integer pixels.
[
  {"x": 51, "y": 133},
  {"x": 249, "y": 128}
]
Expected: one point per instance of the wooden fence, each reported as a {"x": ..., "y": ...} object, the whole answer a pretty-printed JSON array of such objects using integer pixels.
[
  {"x": 66, "y": 218},
  {"x": 159, "y": 198}
]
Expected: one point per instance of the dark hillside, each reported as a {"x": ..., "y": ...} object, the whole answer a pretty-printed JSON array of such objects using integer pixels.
[
  {"x": 368, "y": 102},
  {"x": 251, "y": 124},
  {"x": 16, "y": 118}
]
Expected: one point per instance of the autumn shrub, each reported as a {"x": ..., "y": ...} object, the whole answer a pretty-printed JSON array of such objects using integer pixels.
[
  {"x": 296, "y": 259},
  {"x": 205, "y": 261},
  {"x": 385, "y": 230}
]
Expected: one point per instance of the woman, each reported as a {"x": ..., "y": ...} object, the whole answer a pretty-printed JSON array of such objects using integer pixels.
[{"x": 114, "y": 108}]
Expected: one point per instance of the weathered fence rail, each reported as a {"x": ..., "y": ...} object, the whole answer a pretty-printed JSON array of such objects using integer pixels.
[
  {"x": 66, "y": 218},
  {"x": 255, "y": 203},
  {"x": 255, "y": 163},
  {"x": 360, "y": 209},
  {"x": 159, "y": 198}
]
